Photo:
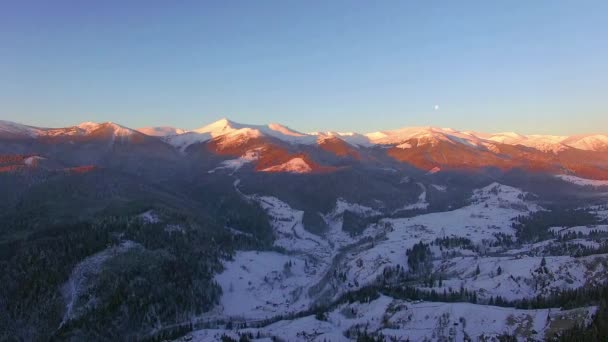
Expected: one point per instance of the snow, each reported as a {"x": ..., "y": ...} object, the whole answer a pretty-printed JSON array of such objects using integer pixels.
[
  {"x": 81, "y": 129},
  {"x": 592, "y": 142},
  {"x": 492, "y": 211},
  {"x": 434, "y": 170},
  {"x": 75, "y": 290},
  {"x": 161, "y": 131},
  {"x": 432, "y": 135},
  {"x": 289, "y": 229},
  {"x": 401, "y": 138},
  {"x": 582, "y": 181},
  {"x": 337, "y": 237},
  {"x": 342, "y": 205},
  {"x": 17, "y": 129},
  {"x": 283, "y": 130},
  {"x": 420, "y": 204},
  {"x": 149, "y": 217},
  {"x": 295, "y": 165},
  {"x": 182, "y": 141},
  {"x": 256, "y": 284},
  {"x": 544, "y": 143},
  {"x": 235, "y": 132},
  {"x": 352, "y": 138},
  {"x": 554, "y": 143},
  {"x": 584, "y": 230},
  {"x": 236, "y": 164},
  {"x": 87, "y": 128},
  {"x": 520, "y": 277},
  {"x": 32, "y": 160},
  {"x": 259, "y": 285},
  {"x": 412, "y": 321},
  {"x": 441, "y": 188}
]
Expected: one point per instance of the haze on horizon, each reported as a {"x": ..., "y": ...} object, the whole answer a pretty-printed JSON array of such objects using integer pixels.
[{"x": 313, "y": 66}]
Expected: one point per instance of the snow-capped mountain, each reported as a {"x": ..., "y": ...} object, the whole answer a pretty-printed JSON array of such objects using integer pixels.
[
  {"x": 226, "y": 128},
  {"x": 161, "y": 131},
  {"x": 235, "y": 133},
  {"x": 425, "y": 148},
  {"x": 241, "y": 230},
  {"x": 593, "y": 142},
  {"x": 85, "y": 129}
]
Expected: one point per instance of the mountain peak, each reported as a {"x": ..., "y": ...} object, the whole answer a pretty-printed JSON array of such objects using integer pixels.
[
  {"x": 10, "y": 128},
  {"x": 161, "y": 131},
  {"x": 88, "y": 127},
  {"x": 285, "y": 130},
  {"x": 220, "y": 126}
]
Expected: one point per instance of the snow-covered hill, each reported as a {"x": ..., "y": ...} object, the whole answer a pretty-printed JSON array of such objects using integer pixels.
[
  {"x": 412, "y": 321},
  {"x": 310, "y": 270}
]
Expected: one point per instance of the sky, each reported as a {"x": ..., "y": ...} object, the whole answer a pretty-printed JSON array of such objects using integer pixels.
[{"x": 491, "y": 66}]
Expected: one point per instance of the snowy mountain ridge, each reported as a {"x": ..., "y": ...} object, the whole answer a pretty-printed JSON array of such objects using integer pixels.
[{"x": 423, "y": 135}]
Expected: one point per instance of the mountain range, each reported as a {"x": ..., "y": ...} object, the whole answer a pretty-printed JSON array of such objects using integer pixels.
[
  {"x": 260, "y": 232},
  {"x": 277, "y": 148}
]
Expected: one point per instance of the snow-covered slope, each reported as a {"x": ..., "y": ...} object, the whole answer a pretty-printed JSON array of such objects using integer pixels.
[
  {"x": 544, "y": 143},
  {"x": 236, "y": 132},
  {"x": 235, "y": 164},
  {"x": 522, "y": 276},
  {"x": 355, "y": 139},
  {"x": 295, "y": 165},
  {"x": 422, "y": 135},
  {"x": 491, "y": 212},
  {"x": 161, "y": 131},
  {"x": 305, "y": 269},
  {"x": 283, "y": 149},
  {"x": 592, "y": 142},
  {"x": 402, "y": 138},
  {"x": 8, "y": 128},
  {"x": 82, "y": 129},
  {"x": 582, "y": 181},
  {"x": 406, "y": 321}
]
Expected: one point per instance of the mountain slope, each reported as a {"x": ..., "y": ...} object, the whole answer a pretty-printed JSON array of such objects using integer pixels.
[{"x": 425, "y": 148}]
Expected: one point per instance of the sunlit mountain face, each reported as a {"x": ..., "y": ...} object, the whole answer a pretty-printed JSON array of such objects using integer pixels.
[
  {"x": 261, "y": 232},
  {"x": 277, "y": 148}
]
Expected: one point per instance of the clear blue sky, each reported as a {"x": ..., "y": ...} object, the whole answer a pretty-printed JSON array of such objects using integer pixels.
[{"x": 526, "y": 66}]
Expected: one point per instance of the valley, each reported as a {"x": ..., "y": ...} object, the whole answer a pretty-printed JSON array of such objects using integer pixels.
[{"x": 259, "y": 232}]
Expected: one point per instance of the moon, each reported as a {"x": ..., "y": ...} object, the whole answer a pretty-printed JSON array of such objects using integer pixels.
[{"x": 436, "y": 107}]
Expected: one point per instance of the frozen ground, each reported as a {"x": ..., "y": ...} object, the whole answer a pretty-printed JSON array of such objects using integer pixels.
[
  {"x": 235, "y": 164},
  {"x": 413, "y": 321},
  {"x": 492, "y": 211},
  {"x": 314, "y": 269},
  {"x": 522, "y": 276},
  {"x": 582, "y": 181},
  {"x": 582, "y": 230},
  {"x": 75, "y": 290}
]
